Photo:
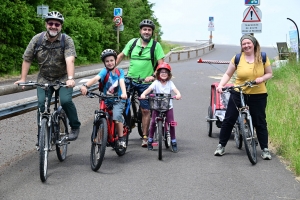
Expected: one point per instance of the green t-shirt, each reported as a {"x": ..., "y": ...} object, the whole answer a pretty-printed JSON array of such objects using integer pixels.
[{"x": 142, "y": 65}]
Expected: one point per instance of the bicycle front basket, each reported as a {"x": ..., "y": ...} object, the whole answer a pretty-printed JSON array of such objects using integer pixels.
[{"x": 160, "y": 102}]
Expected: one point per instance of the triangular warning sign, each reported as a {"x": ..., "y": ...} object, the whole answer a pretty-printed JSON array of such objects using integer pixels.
[{"x": 251, "y": 15}]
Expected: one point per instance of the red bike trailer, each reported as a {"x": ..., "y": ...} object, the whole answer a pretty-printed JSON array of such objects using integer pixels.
[{"x": 217, "y": 107}]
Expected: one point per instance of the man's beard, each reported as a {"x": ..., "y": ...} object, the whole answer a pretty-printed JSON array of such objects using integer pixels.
[
  {"x": 146, "y": 39},
  {"x": 52, "y": 34}
]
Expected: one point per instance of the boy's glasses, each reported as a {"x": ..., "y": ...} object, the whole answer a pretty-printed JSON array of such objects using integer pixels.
[
  {"x": 56, "y": 24},
  {"x": 141, "y": 51}
]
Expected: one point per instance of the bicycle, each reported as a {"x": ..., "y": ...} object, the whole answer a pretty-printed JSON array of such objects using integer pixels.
[
  {"x": 245, "y": 122},
  {"x": 53, "y": 129},
  {"x": 133, "y": 112},
  {"x": 160, "y": 102},
  {"x": 104, "y": 132}
]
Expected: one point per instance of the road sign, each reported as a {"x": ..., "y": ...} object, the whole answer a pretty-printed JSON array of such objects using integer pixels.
[
  {"x": 252, "y": 2},
  {"x": 118, "y": 20},
  {"x": 121, "y": 27},
  {"x": 211, "y": 26},
  {"x": 251, "y": 27},
  {"x": 251, "y": 14},
  {"x": 118, "y": 11},
  {"x": 211, "y": 19}
]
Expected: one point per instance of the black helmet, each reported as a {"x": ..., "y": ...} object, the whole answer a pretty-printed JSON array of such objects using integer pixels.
[
  {"x": 54, "y": 15},
  {"x": 108, "y": 52},
  {"x": 147, "y": 22}
]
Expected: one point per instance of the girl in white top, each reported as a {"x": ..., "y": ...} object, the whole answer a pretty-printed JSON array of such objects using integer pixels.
[{"x": 163, "y": 84}]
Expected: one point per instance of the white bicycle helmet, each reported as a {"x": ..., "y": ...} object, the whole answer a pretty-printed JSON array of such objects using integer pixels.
[{"x": 54, "y": 15}]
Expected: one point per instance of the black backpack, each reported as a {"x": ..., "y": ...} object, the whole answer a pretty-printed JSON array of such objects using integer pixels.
[
  {"x": 39, "y": 42},
  {"x": 151, "y": 52},
  {"x": 238, "y": 57}
]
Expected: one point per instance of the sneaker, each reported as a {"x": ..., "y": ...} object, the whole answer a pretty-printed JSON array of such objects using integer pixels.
[
  {"x": 220, "y": 150},
  {"x": 149, "y": 146},
  {"x": 265, "y": 154},
  {"x": 122, "y": 144},
  {"x": 145, "y": 141},
  {"x": 74, "y": 134},
  {"x": 174, "y": 147}
]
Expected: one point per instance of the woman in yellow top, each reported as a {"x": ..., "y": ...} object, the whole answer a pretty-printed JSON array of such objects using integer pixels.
[{"x": 249, "y": 68}]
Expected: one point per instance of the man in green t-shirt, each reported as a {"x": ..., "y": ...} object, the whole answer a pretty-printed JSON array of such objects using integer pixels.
[{"x": 141, "y": 66}]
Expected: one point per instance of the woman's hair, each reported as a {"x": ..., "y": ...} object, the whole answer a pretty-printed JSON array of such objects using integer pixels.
[
  {"x": 158, "y": 74},
  {"x": 257, "y": 53}
]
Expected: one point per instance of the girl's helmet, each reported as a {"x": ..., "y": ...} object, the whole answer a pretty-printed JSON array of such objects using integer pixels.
[
  {"x": 54, "y": 15},
  {"x": 164, "y": 65},
  {"x": 147, "y": 22},
  {"x": 108, "y": 52}
]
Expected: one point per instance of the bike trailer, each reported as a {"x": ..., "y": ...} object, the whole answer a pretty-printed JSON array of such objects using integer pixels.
[{"x": 217, "y": 107}]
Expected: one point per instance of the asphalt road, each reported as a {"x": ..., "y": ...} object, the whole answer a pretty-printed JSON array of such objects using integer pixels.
[{"x": 192, "y": 173}]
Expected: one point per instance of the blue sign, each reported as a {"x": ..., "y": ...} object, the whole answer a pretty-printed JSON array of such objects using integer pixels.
[
  {"x": 211, "y": 19},
  {"x": 252, "y": 2},
  {"x": 118, "y": 11}
]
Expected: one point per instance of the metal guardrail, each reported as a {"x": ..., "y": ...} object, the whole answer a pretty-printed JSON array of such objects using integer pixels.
[{"x": 25, "y": 105}]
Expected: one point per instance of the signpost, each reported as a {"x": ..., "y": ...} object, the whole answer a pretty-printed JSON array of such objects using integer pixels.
[
  {"x": 42, "y": 10},
  {"x": 118, "y": 22},
  {"x": 211, "y": 27},
  {"x": 251, "y": 22}
]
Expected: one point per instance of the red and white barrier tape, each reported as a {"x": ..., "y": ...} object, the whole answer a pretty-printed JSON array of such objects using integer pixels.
[{"x": 213, "y": 61}]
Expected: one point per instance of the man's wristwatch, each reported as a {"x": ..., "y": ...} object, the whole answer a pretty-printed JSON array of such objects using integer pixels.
[{"x": 70, "y": 78}]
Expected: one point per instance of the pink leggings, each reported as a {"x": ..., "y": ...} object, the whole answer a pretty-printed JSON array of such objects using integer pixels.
[{"x": 169, "y": 117}]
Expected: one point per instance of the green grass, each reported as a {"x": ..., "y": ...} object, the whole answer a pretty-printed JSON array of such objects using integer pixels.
[{"x": 283, "y": 113}]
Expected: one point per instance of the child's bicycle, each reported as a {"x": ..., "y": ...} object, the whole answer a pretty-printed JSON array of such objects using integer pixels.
[
  {"x": 53, "y": 129},
  {"x": 160, "y": 102},
  {"x": 245, "y": 122},
  {"x": 104, "y": 131}
]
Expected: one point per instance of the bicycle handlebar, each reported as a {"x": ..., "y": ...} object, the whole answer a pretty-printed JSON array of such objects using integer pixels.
[
  {"x": 33, "y": 83},
  {"x": 247, "y": 84},
  {"x": 138, "y": 80},
  {"x": 90, "y": 94}
]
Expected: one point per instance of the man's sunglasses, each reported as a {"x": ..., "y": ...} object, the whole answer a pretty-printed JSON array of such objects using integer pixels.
[{"x": 56, "y": 24}]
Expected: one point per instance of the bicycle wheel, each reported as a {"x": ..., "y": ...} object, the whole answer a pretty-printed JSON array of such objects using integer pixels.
[
  {"x": 160, "y": 132},
  {"x": 139, "y": 121},
  {"x": 61, "y": 131},
  {"x": 167, "y": 136},
  {"x": 98, "y": 147},
  {"x": 248, "y": 138},
  {"x": 43, "y": 149},
  {"x": 121, "y": 152},
  {"x": 209, "y": 123}
]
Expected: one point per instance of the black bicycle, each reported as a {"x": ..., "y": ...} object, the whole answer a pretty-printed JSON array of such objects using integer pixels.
[
  {"x": 133, "y": 112},
  {"x": 53, "y": 129},
  {"x": 245, "y": 123}
]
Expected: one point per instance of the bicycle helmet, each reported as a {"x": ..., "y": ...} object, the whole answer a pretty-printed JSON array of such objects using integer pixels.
[
  {"x": 164, "y": 65},
  {"x": 147, "y": 22},
  {"x": 108, "y": 52},
  {"x": 54, "y": 15}
]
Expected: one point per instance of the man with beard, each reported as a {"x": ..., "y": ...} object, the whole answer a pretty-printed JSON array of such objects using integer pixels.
[
  {"x": 141, "y": 66},
  {"x": 55, "y": 63}
]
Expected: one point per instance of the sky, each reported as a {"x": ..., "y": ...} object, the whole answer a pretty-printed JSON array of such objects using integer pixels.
[{"x": 187, "y": 20}]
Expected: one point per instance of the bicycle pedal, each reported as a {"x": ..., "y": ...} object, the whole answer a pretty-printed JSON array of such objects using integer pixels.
[{"x": 154, "y": 144}]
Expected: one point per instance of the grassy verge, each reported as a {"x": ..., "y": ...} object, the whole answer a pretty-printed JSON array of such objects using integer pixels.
[{"x": 283, "y": 114}]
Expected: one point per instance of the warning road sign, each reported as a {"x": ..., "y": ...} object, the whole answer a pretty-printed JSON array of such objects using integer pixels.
[{"x": 252, "y": 14}]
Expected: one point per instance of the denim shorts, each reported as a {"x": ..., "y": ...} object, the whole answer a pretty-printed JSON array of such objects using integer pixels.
[
  {"x": 140, "y": 88},
  {"x": 118, "y": 111}
]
